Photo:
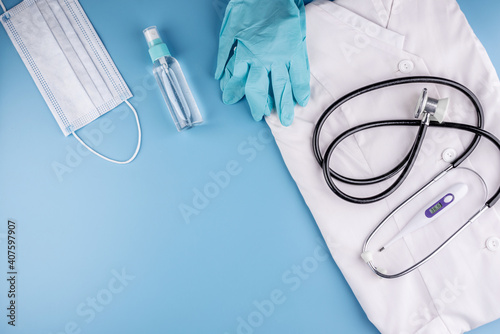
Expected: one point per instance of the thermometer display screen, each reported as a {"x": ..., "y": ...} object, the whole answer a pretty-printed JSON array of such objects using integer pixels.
[
  {"x": 439, "y": 205},
  {"x": 436, "y": 208}
]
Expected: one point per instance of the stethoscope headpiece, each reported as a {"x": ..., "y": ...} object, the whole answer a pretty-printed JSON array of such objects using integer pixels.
[{"x": 436, "y": 108}]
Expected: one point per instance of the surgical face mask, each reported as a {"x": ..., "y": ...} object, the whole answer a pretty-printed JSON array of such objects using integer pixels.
[{"x": 68, "y": 62}]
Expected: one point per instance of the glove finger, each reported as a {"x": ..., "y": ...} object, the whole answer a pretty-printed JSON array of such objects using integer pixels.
[
  {"x": 224, "y": 79},
  {"x": 300, "y": 77},
  {"x": 228, "y": 73},
  {"x": 270, "y": 98},
  {"x": 283, "y": 94},
  {"x": 222, "y": 57},
  {"x": 227, "y": 39},
  {"x": 257, "y": 91},
  {"x": 270, "y": 104},
  {"x": 235, "y": 87}
]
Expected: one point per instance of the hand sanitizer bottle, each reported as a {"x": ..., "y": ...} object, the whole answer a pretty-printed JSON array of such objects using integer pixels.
[{"x": 172, "y": 83}]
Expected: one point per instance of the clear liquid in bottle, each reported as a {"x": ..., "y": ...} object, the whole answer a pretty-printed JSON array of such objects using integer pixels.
[{"x": 172, "y": 83}]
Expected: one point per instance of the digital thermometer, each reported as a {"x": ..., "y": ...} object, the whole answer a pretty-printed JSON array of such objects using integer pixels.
[{"x": 432, "y": 210}]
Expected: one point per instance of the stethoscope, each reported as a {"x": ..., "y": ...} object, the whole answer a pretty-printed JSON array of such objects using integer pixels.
[{"x": 428, "y": 109}]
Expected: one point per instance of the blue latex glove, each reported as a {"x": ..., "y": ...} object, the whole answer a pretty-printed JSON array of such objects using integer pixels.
[
  {"x": 226, "y": 77},
  {"x": 270, "y": 59}
]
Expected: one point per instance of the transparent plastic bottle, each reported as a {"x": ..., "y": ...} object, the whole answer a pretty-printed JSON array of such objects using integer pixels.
[{"x": 173, "y": 84}]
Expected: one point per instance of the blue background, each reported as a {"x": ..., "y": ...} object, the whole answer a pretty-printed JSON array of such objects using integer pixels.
[{"x": 79, "y": 229}]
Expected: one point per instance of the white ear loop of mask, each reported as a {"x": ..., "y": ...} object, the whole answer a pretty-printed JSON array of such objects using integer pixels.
[
  {"x": 139, "y": 140},
  {"x": 3, "y": 7}
]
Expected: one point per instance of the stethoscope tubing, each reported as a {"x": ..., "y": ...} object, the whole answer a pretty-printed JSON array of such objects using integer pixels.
[
  {"x": 327, "y": 173},
  {"x": 406, "y": 165}
]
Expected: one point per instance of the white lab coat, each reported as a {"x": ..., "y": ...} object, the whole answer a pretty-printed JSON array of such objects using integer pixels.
[{"x": 355, "y": 43}]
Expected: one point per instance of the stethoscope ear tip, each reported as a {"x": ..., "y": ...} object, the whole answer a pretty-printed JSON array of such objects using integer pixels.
[{"x": 367, "y": 256}]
